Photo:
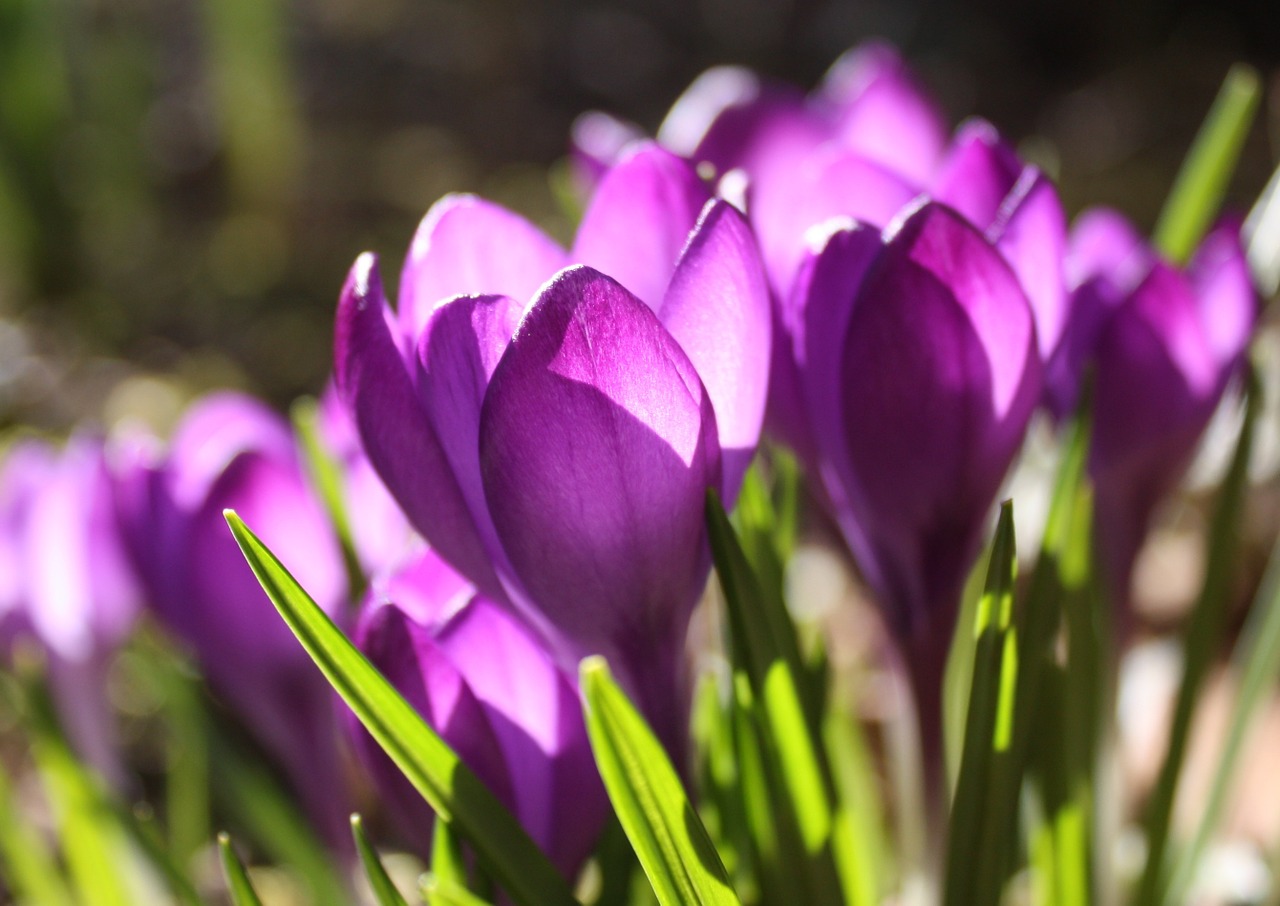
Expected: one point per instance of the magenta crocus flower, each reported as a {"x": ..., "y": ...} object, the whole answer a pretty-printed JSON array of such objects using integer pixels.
[
  {"x": 1164, "y": 343},
  {"x": 917, "y": 372},
  {"x": 494, "y": 692},
  {"x": 66, "y": 581},
  {"x": 232, "y": 451},
  {"x": 552, "y": 430}
]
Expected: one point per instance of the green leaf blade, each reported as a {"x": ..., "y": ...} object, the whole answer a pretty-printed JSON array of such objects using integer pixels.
[
  {"x": 384, "y": 891},
  {"x": 674, "y": 848},
  {"x": 448, "y": 785},
  {"x": 238, "y": 885}
]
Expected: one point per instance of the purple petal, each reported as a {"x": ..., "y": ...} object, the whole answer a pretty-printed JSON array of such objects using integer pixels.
[
  {"x": 1031, "y": 232},
  {"x": 1227, "y": 301},
  {"x": 537, "y": 718},
  {"x": 468, "y": 246},
  {"x": 882, "y": 111},
  {"x": 1157, "y": 385},
  {"x": 639, "y": 220},
  {"x": 236, "y": 623},
  {"x": 597, "y": 142},
  {"x": 215, "y": 430},
  {"x": 980, "y": 169},
  {"x": 82, "y": 591},
  {"x": 408, "y": 656},
  {"x": 832, "y": 183},
  {"x": 940, "y": 377},
  {"x": 598, "y": 443},
  {"x": 717, "y": 308},
  {"x": 26, "y": 467},
  {"x": 398, "y": 438},
  {"x": 1104, "y": 244},
  {"x": 823, "y": 299}
]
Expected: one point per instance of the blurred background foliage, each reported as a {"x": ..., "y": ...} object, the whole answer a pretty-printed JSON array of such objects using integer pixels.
[{"x": 183, "y": 183}]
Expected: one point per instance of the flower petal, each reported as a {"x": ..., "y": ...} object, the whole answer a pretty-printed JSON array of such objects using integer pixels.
[
  {"x": 1104, "y": 243},
  {"x": 940, "y": 375},
  {"x": 458, "y": 350},
  {"x": 639, "y": 220},
  {"x": 536, "y": 715},
  {"x": 831, "y": 183},
  {"x": 408, "y": 656},
  {"x": 883, "y": 113},
  {"x": 1223, "y": 287},
  {"x": 468, "y": 246},
  {"x": 597, "y": 142},
  {"x": 717, "y": 308},
  {"x": 399, "y": 440},
  {"x": 980, "y": 169},
  {"x": 597, "y": 445},
  {"x": 1031, "y": 232}
]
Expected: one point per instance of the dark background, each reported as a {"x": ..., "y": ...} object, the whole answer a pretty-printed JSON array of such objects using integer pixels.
[{"x": 183, "y": 184}]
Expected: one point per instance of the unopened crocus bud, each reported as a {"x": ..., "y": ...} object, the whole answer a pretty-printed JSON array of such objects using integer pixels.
[
  {"x": 918, "y": 372},
  {"x": 66, "y": 581},
  {"x": 230, "y": 451},
  {"x": 1163, "y": 343},
  {"x": 496, "y": 695},
  {"x": 552, "y": 430}
]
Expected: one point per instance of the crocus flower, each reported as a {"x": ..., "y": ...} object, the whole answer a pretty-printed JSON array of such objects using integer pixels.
[
  {"x": 552, "y": 430},
  {"x": 67, "y": 582},
  {"x": 1164, "y": 343},
  {"x": 917, "y": 372},
  {"x": 494, "y": 692},
  {"x": 231, "y": 451}
]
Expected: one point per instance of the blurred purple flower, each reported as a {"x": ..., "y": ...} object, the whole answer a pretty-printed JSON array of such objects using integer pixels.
[
  {"x": 917, "y": 372},
  {"x": 232, "y": 451},
  {"x": 65, "y": 580},
  {"x": 1164, "y": 343},
  {"x": 558, "y": 454},
  {"x": 496, "y": 695}
]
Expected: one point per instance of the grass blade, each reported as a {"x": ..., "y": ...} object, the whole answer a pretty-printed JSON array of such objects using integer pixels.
[
  {"x": 765, "y": 643},
  {"x": 442, "y": 892},
  {"x": 447, "y": 784},
  {"x": 673, "y": 846},
  {"x": 989, "y": 725},
  {"x": 1200, "y": 641},
  {"x": 1197, "y": 192},
  {"x": 242, "y": 892},
  {"x": 384, "y": 891},
  {"x": 29, "y": 868}
]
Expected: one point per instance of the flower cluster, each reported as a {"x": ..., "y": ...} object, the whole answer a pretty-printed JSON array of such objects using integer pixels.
[{"x": 525, "y": 443}]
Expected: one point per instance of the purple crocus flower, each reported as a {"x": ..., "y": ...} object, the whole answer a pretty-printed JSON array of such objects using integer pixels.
[
  {"x": 552, "y": 430},
  {"x": 917, "y": 372},
  {"x": 1164, "y": 343},
  {"x": 66, "y": 582},
  {"x": 494, "y": 692},
  {"x": 232, "y": 451}
]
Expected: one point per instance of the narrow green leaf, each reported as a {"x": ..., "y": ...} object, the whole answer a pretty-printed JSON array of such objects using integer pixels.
[
  {"x": 994, "y": 669},
  {"x": 242, "y": 892},
  {"x": 384, "y": 891},
  {"x": 765, "y": 636},
  {"x": 1201, "y": 638},
  {"x": 1257, "y": 662},
  {"x": 326, "y": 478},
  {"x": 447, "y": 861},
  {"x": 28, "y": 867},
  {"x": 1197, "y": 192},
  {"x": 859, "y": 840},
  {"x": 92, "y": 842},
  {"x": 446, "y": 783},
  {"x": 673, "y": 847},
  {"x": 442, "y": 892},
  {"x": 252, "y": 794}
]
